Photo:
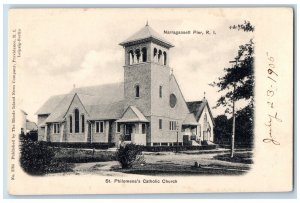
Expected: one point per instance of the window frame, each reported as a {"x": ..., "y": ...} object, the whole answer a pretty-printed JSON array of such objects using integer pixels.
[
  {"x": 75, "y": 121},
  {"x": 82, "y": 119},
  {"x": 160, "y": 91},
  {"x": 143, "y": 128},
  {"x": 56, "y": 128},
  {"x": 172, "y": 125},
  {"x": 160, "y": 124},
  {"x": 137, "y": 93},
  {"x": 99, "y": 123},
  {"x": 71, "y": 123},
  {"x": 118, "y": 127}
]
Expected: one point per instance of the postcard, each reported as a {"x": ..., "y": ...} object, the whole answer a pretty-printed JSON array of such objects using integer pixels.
[{"x": 150, "y": 100}]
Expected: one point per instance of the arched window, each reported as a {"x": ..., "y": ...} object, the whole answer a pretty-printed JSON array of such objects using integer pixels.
[
  {"x": 160, "y": 91},
  {"x": 76, "y": 112},
  {"x": 159, "y": 56},
  {"x": 82, "y": 123},
  {"x": 71, "y": 124},
  {"x": 155, "y": 55},
  {"x": 144, "y": 53},
  {"x": 137, "y": 91},
  {"x": 138, "y": 56},
  {"x": 165, "y": 58},
  {"x": 130, "y": 57}
]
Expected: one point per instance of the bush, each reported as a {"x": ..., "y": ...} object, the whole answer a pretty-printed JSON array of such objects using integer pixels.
[
  {"x": 129, "y": 154},
  {"x": 35, "y": 157}
]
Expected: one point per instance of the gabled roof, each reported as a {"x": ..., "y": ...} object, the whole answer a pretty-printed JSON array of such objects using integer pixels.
[
  {"x": 107, "y": 93},
  {"x": 132, "y": 114},
  {"x": 92, "y": 95},
  {"x": 30, "y": 126},
  {"x": 50, "y": 104},
  {"x": 190, "y": 120},
  {"x": 197, "y": 107},
  {"x": 106, "y": 111},
  {"x": 57, "y": 115},
  {"x": 146, "y": 33}
]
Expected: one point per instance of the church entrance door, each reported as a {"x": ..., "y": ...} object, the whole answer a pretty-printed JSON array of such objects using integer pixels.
[{"x": 128, "y": 132}]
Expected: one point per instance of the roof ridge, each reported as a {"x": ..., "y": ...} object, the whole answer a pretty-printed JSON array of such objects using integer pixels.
[
  {"x": 99, "y": 85},
  {"x": 106, "y": 103}
]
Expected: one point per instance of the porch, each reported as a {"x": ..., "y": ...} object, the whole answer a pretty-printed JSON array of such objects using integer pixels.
[{"x": 135, "y": 126}]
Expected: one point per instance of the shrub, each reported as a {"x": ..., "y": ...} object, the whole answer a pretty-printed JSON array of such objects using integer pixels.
[
  {"x": 35, "y": 156},
  {"x": 129, "y": 154}
]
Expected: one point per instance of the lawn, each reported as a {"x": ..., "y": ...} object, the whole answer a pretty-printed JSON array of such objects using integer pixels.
[
  {"x": 66, "y": 159},
  {"x": 184, "y": 164},
  {"x": 102, "y": 162}
]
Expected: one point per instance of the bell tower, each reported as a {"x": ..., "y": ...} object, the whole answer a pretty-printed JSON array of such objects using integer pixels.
[{"x": 147, "y": 72}]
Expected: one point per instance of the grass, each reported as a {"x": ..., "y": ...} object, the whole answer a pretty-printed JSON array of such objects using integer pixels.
[
  {"x": 183, "y": 165},
  {"x": 245, "y": 158},
  {"x": 69, "y": 155},
  {"x": 66, "y": 158},
  {"x": 182, "y": 170}
]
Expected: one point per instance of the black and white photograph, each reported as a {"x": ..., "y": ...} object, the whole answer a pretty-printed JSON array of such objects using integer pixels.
[{"x": 172, "y": 99}]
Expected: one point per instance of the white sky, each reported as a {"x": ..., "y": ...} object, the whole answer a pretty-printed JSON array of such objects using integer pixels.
[{"x": 65, "y": 47}]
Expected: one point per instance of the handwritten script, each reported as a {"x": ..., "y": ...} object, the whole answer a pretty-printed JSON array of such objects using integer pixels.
[{"x": 272, "y": 115}]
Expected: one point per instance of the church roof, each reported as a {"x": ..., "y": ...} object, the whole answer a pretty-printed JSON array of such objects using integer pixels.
[
  {"x": 100, "y": 94},
  {"x": 190, "y": 120},
  {"x": 100, "y": 102},
  {"x": 57, "y": 115},
  {"x": 50, "y": 104},
  {"x": 146, "y": 33},
  {"x": 132, "y": 114},
  {"x": 197, "y": 107},
  {"x": 108, "y": 93},
  {"x": 106, "y": 111}
]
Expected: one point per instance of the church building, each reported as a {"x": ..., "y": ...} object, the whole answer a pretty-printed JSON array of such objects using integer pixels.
[{"x": 148, "y": 108}]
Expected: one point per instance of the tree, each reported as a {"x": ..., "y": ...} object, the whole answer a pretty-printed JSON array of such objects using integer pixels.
[
  {"x": 238, "y": 84},
  {"x": 222, "y": 130}
]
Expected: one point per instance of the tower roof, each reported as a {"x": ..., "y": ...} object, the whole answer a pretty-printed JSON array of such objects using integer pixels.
[{"x": 145, "y": 34}]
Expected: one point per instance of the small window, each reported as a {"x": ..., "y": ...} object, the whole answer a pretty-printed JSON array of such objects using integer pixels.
[
  {"x": 165, "y": 58},
  {"x": 99, "y": 127},
  {"x": 131, "y": 57},
  {"x": 160, "y": 91},
  {"x": 82, "y": 123},
  {"x": 160, "y": 124},
  {"x": 172, "y": 125},
  {"x": 143, "y": 128},
  {"x": 173, "y": 100},
  {"x": 144, "y": 52},
  {"x": 71, "y": 124},
  {"x": 76, "y": 112},
  {"x": 137, "y": 91},
  {"x": 118, "y": 127},
  {"x": 56, "y": 128}
]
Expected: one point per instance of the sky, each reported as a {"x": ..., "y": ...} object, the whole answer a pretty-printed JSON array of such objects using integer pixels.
[{"x": 63, "y": 48}]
